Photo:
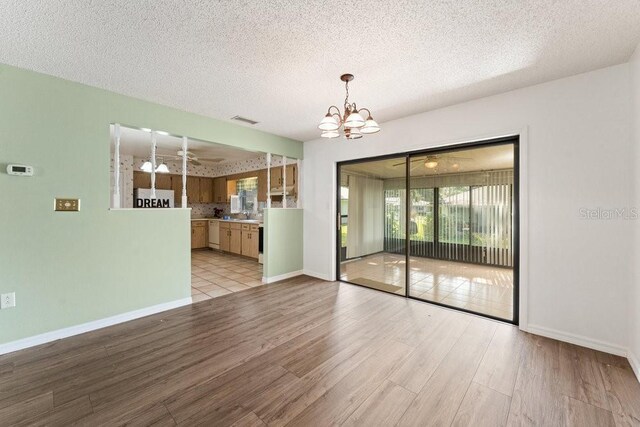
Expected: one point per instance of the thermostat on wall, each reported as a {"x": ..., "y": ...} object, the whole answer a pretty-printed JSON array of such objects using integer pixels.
[{"x": 23, "y": 170}]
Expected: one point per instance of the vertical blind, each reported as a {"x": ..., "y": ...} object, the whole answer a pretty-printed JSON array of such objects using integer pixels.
[{"x": 471, "y": 223}]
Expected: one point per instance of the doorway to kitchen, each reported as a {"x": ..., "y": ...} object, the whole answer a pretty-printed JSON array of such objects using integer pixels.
[{"x": 438, "y": 225}]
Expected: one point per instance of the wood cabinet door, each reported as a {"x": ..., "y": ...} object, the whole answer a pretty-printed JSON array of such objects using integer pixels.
[
  {"x": 198, "y": 235},
  {"x": 262, "y": 185},
  {"x": 220, "y": 189},
  {"x": 246, "y": 242},
  {"x": 176, "y": 186},
  {"x": 292, "y": 175},
  {"x": 206, "y": 190},
  {"x": 141, "y": 180},
  {"x": 254, "y": 244},
  {"x": 163, "y": 181},
  {"x": 254, "y": 237},
  {"x": 231, "y": 189},
  {"x": 225, "y": 239},
  {"x": 276, "y": 177},
  {"x": 235, "y": 244},
  {"x": 193, "y": 189}
]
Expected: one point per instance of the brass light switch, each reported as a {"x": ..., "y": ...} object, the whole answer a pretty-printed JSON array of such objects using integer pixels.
[{"x": 67, "y": 205}]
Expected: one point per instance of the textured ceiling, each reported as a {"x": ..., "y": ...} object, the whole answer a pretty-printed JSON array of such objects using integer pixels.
[{"x": 278, "y": 61}]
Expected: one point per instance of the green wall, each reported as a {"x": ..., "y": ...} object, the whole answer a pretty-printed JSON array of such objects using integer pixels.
[
  {"x": 282, "y": 241},
  {"x": 72, "y": 268}
]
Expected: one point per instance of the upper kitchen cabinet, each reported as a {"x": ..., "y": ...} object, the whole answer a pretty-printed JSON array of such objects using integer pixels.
[
  {"x": 292, "y": 176},
  {"x": 220, "y": 190},
  {"x": 276, "y": 177},
  {"x": 176, "y": 186},
  {"x": 277, "y": 180},
  {"x": 193, "y": 189},
  {"x": 262, "y": 185},
  {"x": 141, "y": 180},
  {"x": 232, "y": 186},
  {"x": 206, "y": 190},
  {"x": 163, "y": 181}
]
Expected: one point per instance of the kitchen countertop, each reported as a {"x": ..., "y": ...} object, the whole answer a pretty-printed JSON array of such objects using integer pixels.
[{"x": 246, "y": 221}]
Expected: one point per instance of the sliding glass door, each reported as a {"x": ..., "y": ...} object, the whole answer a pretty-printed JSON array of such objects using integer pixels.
[
  {"x": 448, "y": 221},
  {"x": 372, "y": 224}
]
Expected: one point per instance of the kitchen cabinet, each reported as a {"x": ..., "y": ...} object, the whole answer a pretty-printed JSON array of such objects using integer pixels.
[
  {"x": 176, "y": 186},
  {"x": 276, "y": 177},
  {"x": 163, "y": 181},
  {"x": 225, "y": 236},
  {"x": 193, "y": 189},
  {"x": 262, "y": 185},
  {"x": 199, "y": 238},
  {"x": 235, "y": 239},
  {"x": 239, "y": 238},
  {"x": 292, "y": 176},
  {"x": 206, "y": 190},
  {"x": 277, "y": 180},
  {"x": 250, "y": 235},
  {"x": 231, "y": 189},
  {"x": 141, "y": 180},
  {"x": 220, "y": 190}
]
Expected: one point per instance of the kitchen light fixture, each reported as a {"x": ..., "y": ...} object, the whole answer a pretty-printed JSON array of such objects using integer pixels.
[
  {"x": 352, "y": 121},
  {"x": 162, "y": 168},
  {"x": 146, "y": 166}
]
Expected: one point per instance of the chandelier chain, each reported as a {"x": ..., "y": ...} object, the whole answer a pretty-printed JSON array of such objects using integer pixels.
[{"x": 346, "y": 99}]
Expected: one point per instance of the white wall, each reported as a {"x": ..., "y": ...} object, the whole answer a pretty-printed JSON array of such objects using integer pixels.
[
  {"x": 634, "y": 301},
  {"x": 579, "y": 156}
]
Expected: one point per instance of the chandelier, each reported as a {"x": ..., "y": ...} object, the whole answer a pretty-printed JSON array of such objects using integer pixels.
[{"x": 352, "y": 121}]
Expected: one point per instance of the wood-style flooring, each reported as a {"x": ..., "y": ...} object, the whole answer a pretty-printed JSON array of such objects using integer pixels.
[{"x": 311, "y": 353}]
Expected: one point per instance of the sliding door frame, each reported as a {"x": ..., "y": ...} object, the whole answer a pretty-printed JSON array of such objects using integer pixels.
[{"x": 508, "y": 140}]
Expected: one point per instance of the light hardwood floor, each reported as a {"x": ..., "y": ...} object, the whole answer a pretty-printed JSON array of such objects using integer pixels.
[{"x": 311, "y": 353}]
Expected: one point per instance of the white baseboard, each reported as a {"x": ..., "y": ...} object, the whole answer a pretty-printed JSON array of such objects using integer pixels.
[
  {"x": 317, "y": 275},
  {"x": 635, "y": 364},
  {"x": 90, "y": 326},
  {"x": 577, "y": 340},
  {"x": 282, "y": 277}
]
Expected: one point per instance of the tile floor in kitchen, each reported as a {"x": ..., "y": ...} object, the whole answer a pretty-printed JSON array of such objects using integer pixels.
[{"x": 214, "y": 274}]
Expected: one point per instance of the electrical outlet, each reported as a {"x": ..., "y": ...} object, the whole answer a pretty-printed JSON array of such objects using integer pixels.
[{"x": 8, "y": 300}]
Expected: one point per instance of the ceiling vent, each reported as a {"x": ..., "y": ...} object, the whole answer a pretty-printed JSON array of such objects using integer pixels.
[{"x": 244, "y": 119}]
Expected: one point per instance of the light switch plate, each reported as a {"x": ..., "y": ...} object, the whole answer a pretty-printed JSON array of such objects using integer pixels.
[
  {"x": 66, "y": 205},
  {"x": 7, "y": 300}
]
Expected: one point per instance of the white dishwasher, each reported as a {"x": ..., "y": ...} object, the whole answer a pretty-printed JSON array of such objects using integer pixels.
[{"x": 214, "y": 234}]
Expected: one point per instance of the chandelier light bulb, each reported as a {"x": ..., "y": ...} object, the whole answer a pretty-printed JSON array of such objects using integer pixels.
[
  {"x": 354, "y": 120},
  {"x": 330, "y": 134},
  {"x": 370, "y": 126},
  {"x": 353, "y": 133},
  {"x": 329, "y": 123}
]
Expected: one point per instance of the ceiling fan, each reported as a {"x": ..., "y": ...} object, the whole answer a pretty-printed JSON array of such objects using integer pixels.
[
  {"x": 192, "y": 158},
  {"x": 435, "y": 161}
]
